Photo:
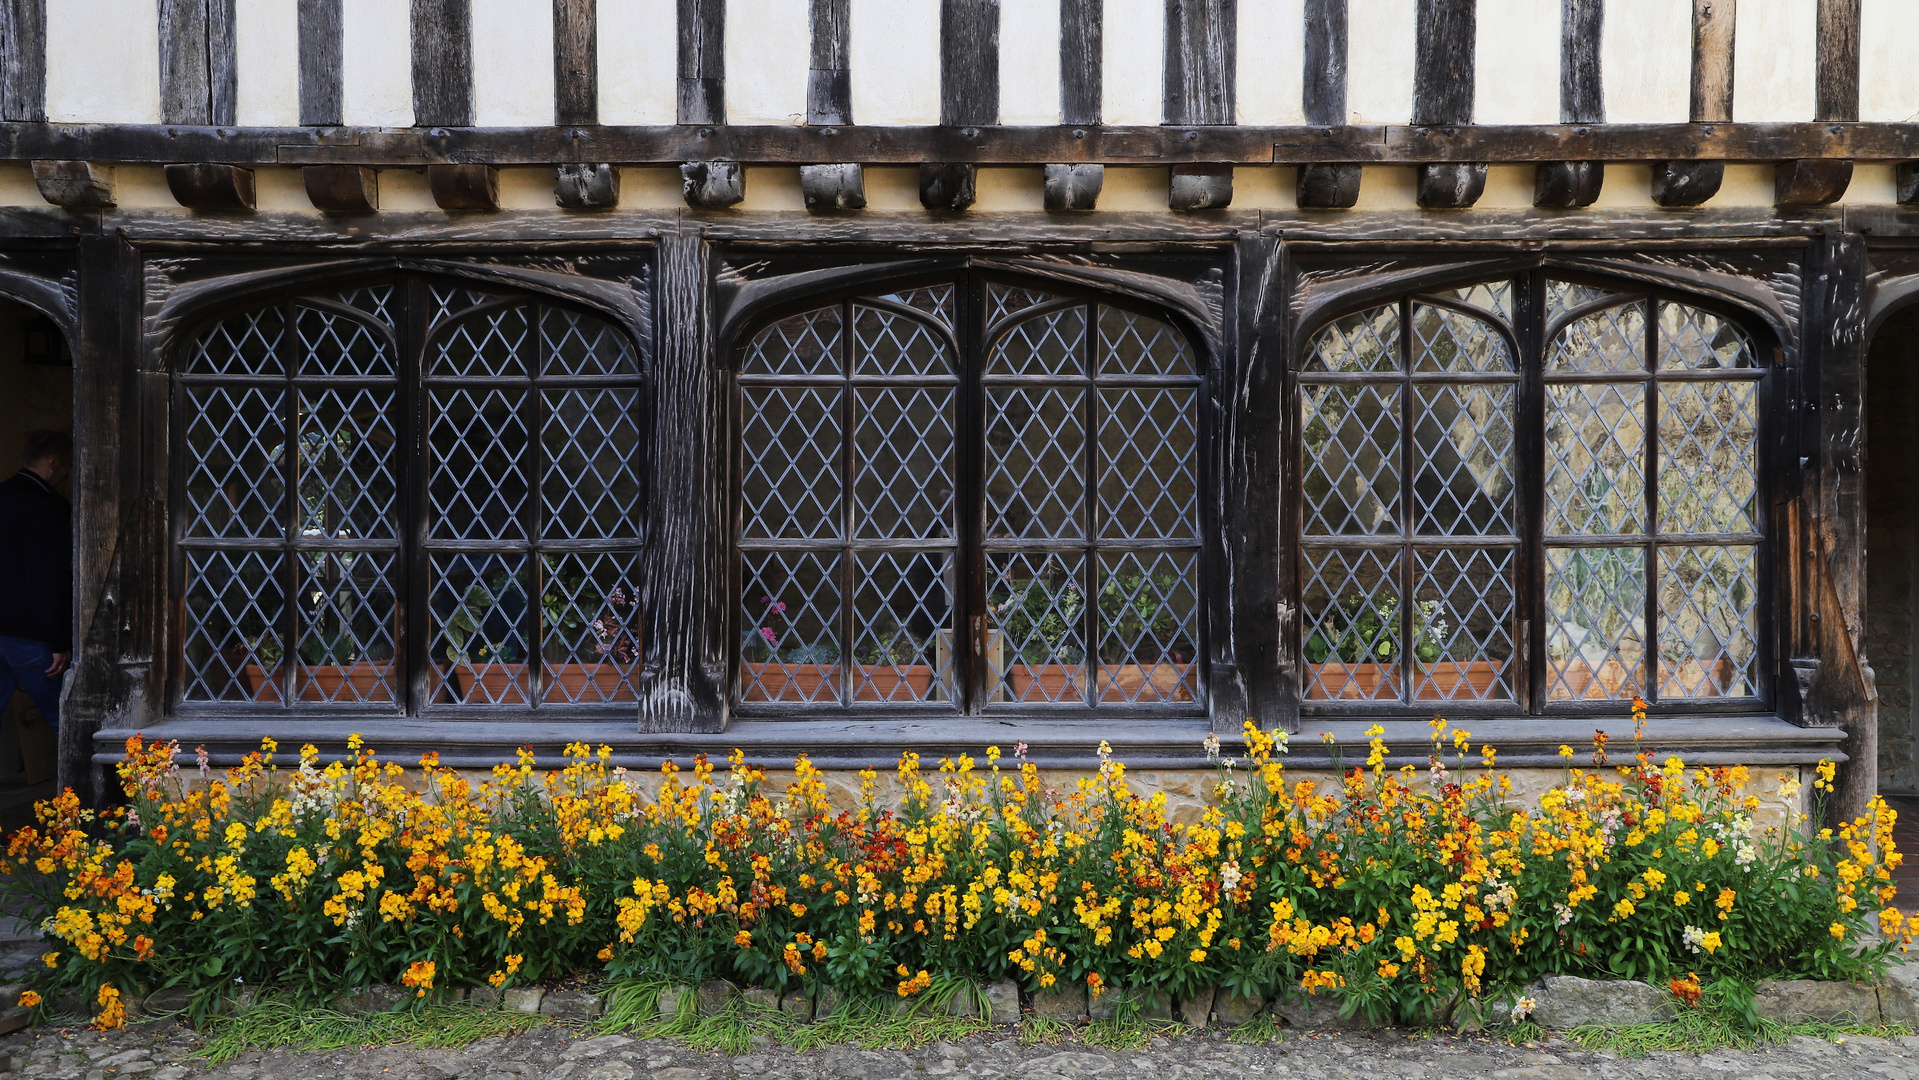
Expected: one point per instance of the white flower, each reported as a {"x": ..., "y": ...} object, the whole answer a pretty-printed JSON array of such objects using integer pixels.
[
  {"x": 1523, "y": 1008},
  {"x": 1229, "y": 876},
  {"x": 1212, "y": 747},
  {"x": 1577, "y": 794},
  {"x": 1693, "y": 938},
  {"x": 1565, "y": 913}
]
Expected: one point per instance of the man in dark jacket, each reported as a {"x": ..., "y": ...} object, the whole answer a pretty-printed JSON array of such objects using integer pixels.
[{"x": 36, "y": 575}]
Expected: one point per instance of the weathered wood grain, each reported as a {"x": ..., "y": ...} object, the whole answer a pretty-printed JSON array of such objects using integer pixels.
[
  {"x": 1836, "y": 96},
  {"x": 1712, "y": 52},
  {"x": 1325, "y": 45},
  {"x": 712, "y": 185},
  {"x": 1328, "y": 187},
  {"x": 1582, "y": 96},
  {"x": 342, "y": 190},
  {"x": 1810, "y": 183},
  {"x": 1566, "y": 185},
  {"x": 75, "y": 185},
  {"x": 833, "y": 189},
  {"x": 321, "y": 37},
  {"x": 1443, "y": 62},
  {"x": 1250, "y": 674},
  {"x": 1686, "y": 183},
  {"x": 1906, "y": 183},
  {"x": 23, "y": 60},
  {"x": 1073, "y": 187},
  {"x": 1081, "y": 61},
  {"x": 829, "y": 80},
  {"x": 1201, "y": 57},
  {"x": 702, "y": 61},
  {"x": 969, "y": 62},
  {"x": 198, "y": 80},
  {"x": 464, "y": 187},
  {"x": 442, "y": 63},
  {"x": 1450, "y": 185},
  {"x": 1200, "y": 187},
  {"x": 211, "y": 186},
  {"x": 587, "y": 187},
  {"x": 947, "y": 186},
  {"x": 576, "y": 62}
]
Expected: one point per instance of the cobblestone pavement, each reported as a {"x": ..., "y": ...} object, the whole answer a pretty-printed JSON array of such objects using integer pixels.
[{"x": 161, "y": 1051}]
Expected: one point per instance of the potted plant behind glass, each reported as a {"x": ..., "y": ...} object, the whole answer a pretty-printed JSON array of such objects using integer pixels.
[
  {"x": 1360, "y": 662},
  {"x": 770, "y": 671},
  {"x": 485, "y": 670},
  {"x": 892, "y": 668},
  {"x": 614, "y": 634},
  {"x": 259, "y": 678},
  {"x": 1145, "y": 655},
  {"x": 1040, "y": 617},
  {"x": 333, "y": 668}
]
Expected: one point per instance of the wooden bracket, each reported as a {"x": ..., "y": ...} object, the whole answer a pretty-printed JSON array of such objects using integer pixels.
[
  {"x": 470, "y": 186},
  {"x": 1567, "y": 185},
  {"x": 1451, "y": 185},
  {"x": 587, "y": 187},
  {"x": 342, "y": 190},
  {"x": 713, "y": 185},
  {"x": 1905, "y": 177},
  {"x": 1328, "y": 187},
  {"x": 833, "y": 189},
  {"x": 947, "y": 186},
  {"x": 1677, "y": 184},
  {"x": 74, "y": 185},
  {"x": 1200, "y": 187},
  {"x": 1074, "y": 187},
  {"x": 1810, "y": 182},
  {"x": 204, "y": 185}
]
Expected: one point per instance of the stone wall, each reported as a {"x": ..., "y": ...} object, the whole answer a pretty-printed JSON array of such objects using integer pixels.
[{"x": 1892, "y": 541}]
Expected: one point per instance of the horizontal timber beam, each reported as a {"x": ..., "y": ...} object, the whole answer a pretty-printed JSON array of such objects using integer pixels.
[{"x": 796, "y": 145}]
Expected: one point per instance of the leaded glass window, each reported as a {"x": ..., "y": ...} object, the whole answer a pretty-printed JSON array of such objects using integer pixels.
[
  {"x": 969, "y": 496},
  {"x": 412, "y": 446},
  {"x": 1442, "y": 561}
]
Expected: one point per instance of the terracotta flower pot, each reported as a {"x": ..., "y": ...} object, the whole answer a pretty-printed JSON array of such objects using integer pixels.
[
  {"x": 1352, "y": 682},
  {"x": 774, "y": 681},
  {"x": 364, "y": 680},
  {"x": 1148, "y": 683},
  {"x": 1046, "y": 682},
  {"x": 490, "y": 684},
  {"x": 1455, "y": 680},
  {"x": 258, "y": 684},
  {"x": 884, "y": 682},
  {"x": 1604, "y": 681},
  {"x": 590, "y": 683}
]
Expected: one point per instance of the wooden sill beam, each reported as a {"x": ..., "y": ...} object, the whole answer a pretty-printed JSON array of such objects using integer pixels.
[{"x": 782, "y": 145}]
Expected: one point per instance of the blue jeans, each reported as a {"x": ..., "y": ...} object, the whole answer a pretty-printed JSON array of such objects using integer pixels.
[{"x": 24, "y": 664}]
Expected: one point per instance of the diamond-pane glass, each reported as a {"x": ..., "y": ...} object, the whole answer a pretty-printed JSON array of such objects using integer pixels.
[
  {"x": 1149, "y": 627},
  {"x": 934, "y": 300},
  {"x": 1595, "y": 623},
  {"x": 1463, "y": 625},
  {"x": 902, "y": 626},
  {"x": 374, "y": 300},
  {"x": 806, "y": 344},
  {"x": 1149, "y": 461},
  {"x": 903, "y": 448},
  {"x": 790, "y": 626},
  {"x": 1132, "y": 344},
  {"x": 1494, "y": 297},
  {"x": 889, "y": 343},
  {"x": 246, "y": 344},
  {"x": 1350, "y": 630},
  {"x": 479, "y": 653},
  {"x": 478, "y": 481},
  {"x": 349, "y": 624},
  {"x": 1364, "y": 341},
  {"x": 1350, "y": 449},
  {"x": 1002, "y": 301},
  {"x": 1036, "y": 604},
  {"x": 591, "y": 648},
  {"x": 1609, "y": 340},
  {"x": 592, "y": 487},
  {"x": 1564, "y": 297},
  {"x": 1595, "y": 458},
  {"x": 1463, "y": 460},
  {"x": 448, "y": 301},
  {"x": 1447, "y": 340},
  {"x": 577, "y": 344},
  {"x": 1708, "y": 456},
  {"x": 489, "y": 343},
  {"x": 1035, "y": 455},
  {"x": 1694, "y": 340},
  {"x": 1708, "y": 622},
  {"x": 335, "y": 344},
  {"x": 233, "y": 639},
  {"x": 236, "y": 450},
  {"x": 349, "y": 484},
  {"x": 790, "y": 482},
  {"x": 1049, "y": 344}
]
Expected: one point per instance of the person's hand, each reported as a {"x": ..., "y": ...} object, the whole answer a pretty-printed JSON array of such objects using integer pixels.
[{"x": 59, "y": 664}]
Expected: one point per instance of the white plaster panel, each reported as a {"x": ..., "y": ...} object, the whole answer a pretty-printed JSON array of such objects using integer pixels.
[
  {"x": 1029, "y": 62},
  {"x": 1888, "y": 44},
  {"x": 768, "y": 51},
  {"x": 1010, "y": 187},
  {"x": 1380, "y": 38},
  {"x": 1266, "y": 187},
  {"x": 1272, "y": 62},
  {"x": 376, "y": 63},
  {"x": 1139, "y": 188},
  {"x": 651, "y": 188},
  {"x": 1388, "y": 187},
  {"x": 894, "y": 51},
  {"x": 639, "y": 61},
  {"x": 772, "y": 188},
  {"x": 1516, "y": 63},
  {"x": 512, "y": 63},
  {"x": 1746, "y": 184},
  {"x": 892, "y": 187},
  {"x": 103, "y": 61},
  {"x": 1645, "y": 61},
  {"x": 1133, "y": 62},
  {"x": 17, "y": 187},
  {"x": 281, "y": 191},
  {"x": 266, "y": 58},
  {"x": 1775, "y": 60}
]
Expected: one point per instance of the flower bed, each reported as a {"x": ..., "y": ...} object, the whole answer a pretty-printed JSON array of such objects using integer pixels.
[{"x": 1400, "y": 894}]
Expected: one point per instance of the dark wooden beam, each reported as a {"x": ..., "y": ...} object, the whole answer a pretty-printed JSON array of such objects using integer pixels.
[
  {"x": 1443, "y": 69},
  {"x": 23, "y": 60},
  {"x": 1837, "y": 93},
  {"x": 576, "y": 62},
  {"x": 1200, "y": 187},
  {"x": 1810, "y": 183},
  {"x": 197, "y": 76},
  {"x": 342, "y": 190},
  {"x": 1451, "y": 185},
  {"x": 712, "y": 185},
  {"x": 74, "y": 185},
  {"x": 1325, "y": 87},
  {"x": 1073, "y": 187},
  {"x": 1081, "y": 61},
  {"x": 321, "y": 36},
  {"x": 833, "y": 189},
  {"x": 969, "y": 62},
  {"x": 1906, "y": 183},
  {"x": 1566, "y": 185},
  {"x": 946, "y": 186},
  {"x": 464, "y": 187},
  {"x": 587, "y": 187},
  {"x": 702, "y": 61},
  {"x": 1328, "y": 187},
  {"x": 1201, "y": 56},
  {"x": 1563, "y": 185},
  {"x": 829, "y": 80},
  {"x": 209, "y": 186},
  {"x": 442, "y": 63},
  {"x": 1712, "y": 52},
  {"x": 1678, "y": 184}
]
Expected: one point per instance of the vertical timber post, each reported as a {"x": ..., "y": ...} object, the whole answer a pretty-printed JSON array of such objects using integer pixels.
[{"x": 1250, "y": 657}]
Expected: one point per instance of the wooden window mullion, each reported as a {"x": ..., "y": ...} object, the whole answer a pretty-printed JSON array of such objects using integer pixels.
[
  {"x": 848, "y": 579},
  {"x": 290, "y": 553},
  {"x": 1650, "y": 691},
  {"x": 1090, "y": 549}
]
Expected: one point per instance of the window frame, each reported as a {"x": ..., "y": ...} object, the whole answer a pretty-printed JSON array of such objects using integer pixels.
[
  {"x": 1530, "y": 331},
  {"x": 975, "y": 336}
]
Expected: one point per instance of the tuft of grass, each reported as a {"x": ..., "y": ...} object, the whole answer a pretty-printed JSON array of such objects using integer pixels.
[
  {"x": 873, "y": 1024},
  {"x": 1260, "y": 1030},
  {"x": 1520, "y": 1032},
  {"x": 1697, "y": 1031},
  {"x": 1037, "y": 1030},
  {"x": 274, "y": 1024}
]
